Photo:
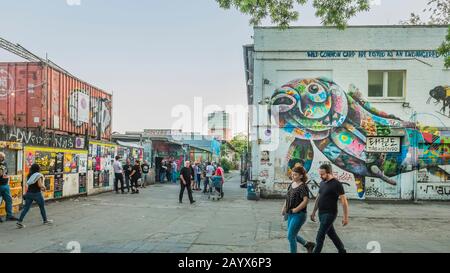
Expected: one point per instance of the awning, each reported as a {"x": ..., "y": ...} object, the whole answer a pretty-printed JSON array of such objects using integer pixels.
[{"x": 129, "y": 144}]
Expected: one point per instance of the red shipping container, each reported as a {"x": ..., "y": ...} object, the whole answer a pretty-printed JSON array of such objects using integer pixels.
[{"x": 37, "y": 95}]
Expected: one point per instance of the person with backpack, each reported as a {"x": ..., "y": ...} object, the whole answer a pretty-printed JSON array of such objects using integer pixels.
[
  {"x": 295, "y": 209},
  {"x": 35, "y": 183}
]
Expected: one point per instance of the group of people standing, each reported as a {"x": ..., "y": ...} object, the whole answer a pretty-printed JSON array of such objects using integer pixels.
[
  {"x": 295, "y": 209},
  {"x": 169, "y": 171},
  {"x": 130, "y": 176},
  {"x": 192, "y": 175}
]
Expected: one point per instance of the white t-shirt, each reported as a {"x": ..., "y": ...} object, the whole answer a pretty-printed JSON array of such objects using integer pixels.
[
  {"x": 209, "y": 171},
  {"x": 117, "y": 167}
]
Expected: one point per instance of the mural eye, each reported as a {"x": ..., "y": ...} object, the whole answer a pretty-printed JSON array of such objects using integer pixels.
[{"x": 313, "y": 89}]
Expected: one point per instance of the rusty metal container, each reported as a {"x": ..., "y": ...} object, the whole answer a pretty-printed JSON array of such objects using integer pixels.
[{"x": 35, "y": 95}]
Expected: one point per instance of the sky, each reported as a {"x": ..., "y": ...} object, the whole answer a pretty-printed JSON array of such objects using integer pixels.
[{"x": 155, "y": 55}]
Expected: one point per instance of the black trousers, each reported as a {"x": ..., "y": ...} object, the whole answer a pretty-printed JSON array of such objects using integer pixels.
[
  {"x": 118, "y": 177},
  {"x": 183, "y": 187},
  {"x": 134, "y": 184}
]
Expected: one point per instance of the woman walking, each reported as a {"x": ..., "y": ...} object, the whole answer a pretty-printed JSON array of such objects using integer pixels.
[
  {"x": 294, "y": 208},
  {"x": 35, "y": 182}
]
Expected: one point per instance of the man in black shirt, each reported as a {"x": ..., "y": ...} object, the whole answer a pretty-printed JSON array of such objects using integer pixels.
[
  {"x": 127, "y": 169},
  {"x": 5, "y": 191},
  {"x": 331, "y": 190},
  {"x": 145, "y": 171},
  {"x": 186, "y": 176}
]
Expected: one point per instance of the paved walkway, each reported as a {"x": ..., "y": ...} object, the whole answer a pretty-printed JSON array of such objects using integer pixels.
[{"x": 153, "y": 221}]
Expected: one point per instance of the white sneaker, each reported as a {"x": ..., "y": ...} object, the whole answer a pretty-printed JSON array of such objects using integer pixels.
[
  {"x": 48, "y": 222},
  {"x": 20, "y": 225}
]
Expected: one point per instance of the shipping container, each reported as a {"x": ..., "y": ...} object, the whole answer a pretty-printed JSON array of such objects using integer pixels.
[{"x": 36, "y": 95}]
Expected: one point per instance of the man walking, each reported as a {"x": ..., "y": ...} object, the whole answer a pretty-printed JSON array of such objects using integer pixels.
[
  {"x": 330, "y": 191},
  {"x": 5, "y": 191},
  {"x": 186, "y": 176},
  {"x": 118, "y": 173}
]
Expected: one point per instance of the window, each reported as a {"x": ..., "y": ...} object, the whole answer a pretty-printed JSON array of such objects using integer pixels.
[{"x": 386, "y": 84}]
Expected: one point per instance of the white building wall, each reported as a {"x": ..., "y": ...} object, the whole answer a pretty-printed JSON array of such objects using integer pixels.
[{"x": 282, "y": 56}]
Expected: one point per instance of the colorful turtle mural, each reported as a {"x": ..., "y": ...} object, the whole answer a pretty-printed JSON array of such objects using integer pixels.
[{"x": 318, "y": 112}]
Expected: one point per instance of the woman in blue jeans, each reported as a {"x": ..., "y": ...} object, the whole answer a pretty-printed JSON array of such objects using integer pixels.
[
  {"x": 294, "y": 208},
  {"x": 35, "y": 182}
]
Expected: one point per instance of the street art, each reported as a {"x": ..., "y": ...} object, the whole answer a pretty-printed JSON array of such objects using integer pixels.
[
  {"x": 79, "y": 107},
  {"x": 441, "y": 94},
  {"x": 6, "y": 83},
  {"x": 318, "y": 112},
  {"x": 101, "y": 113},
  {"x": 265, "y": 157}
]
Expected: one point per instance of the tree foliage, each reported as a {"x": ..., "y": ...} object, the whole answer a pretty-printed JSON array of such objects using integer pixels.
[{"x": 284, "y": 12}]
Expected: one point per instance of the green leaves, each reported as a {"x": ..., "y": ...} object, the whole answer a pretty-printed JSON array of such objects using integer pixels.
[
  {"x": 284, "y": 12},
  {"x": 445, "y": 49}
]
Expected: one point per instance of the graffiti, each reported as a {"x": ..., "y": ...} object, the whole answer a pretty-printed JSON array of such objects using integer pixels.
[
  {"x": 101, "y": 113},
  {"x": 318, "y": 112},
  {"x": 440, "y": 190},
  {"x": 6, "y": 84},
  {"x": 374, "y": 192},
  {"x": 264, "y": 174},
  {"x": 36, "y": 137},
  {"x": 441, "y": 94}
]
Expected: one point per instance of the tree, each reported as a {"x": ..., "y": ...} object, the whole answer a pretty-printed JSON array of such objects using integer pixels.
[
  {"x": 239, "y": 142},
  {"x": 439, "y": 15},
  {"x": 282, "y": 12}
]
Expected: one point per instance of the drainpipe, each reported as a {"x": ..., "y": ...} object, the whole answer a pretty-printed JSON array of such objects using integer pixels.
[{"x": 415, "y": 158}]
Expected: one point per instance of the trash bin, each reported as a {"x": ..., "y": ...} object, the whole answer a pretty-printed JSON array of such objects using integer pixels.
[{"x": 252, "y": 194}]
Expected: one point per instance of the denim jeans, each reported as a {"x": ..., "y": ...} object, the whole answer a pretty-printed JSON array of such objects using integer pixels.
[
  {"x": 162, "y": 176},
  {"x": 327, "y": 228},
  {"x": 295, "y": 223},
  {"x": 5, "y": 193},
  {"x": 174, "y": 176},
  {"x": 199, "y": 180},
  {"x": 29, "y": 198}
]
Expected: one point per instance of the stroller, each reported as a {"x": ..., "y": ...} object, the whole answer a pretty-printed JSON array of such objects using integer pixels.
[{"x": 216, "y": 188}]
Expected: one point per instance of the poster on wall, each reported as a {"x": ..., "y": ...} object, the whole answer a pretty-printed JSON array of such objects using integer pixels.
[
  {"x": 58, "y": 188},
  {"x": 59, "y": 168},
  {"x": 29, "y": 160},
  {"x": 82, "y": 182},
  {"x": 82, "y": 163},
  {"x": 105, "y": 179},
  {"x": 83, "y": 107},
  {"x": 49, "y": 182},
  {"x": 96, "y": 179},
  {"x": 46, "y": 160},
  {"x": 70, "y": 163}
]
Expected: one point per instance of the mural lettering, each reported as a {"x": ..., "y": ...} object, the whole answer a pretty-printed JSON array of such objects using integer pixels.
[{"x": 35, "y": 137}]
